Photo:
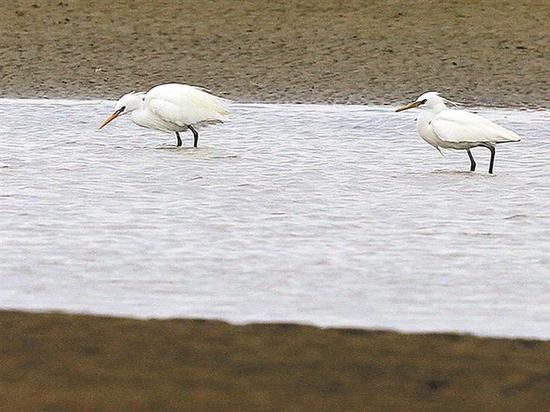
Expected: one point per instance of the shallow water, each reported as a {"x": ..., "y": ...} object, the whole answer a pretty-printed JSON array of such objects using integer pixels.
[{"x": 332, "y": 215}]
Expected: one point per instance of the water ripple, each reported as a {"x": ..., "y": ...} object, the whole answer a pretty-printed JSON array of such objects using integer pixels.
[{"x": 334, "y": 215}]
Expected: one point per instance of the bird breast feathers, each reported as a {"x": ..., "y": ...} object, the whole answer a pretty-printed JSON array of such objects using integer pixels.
[{"x": 459, "y": 126}]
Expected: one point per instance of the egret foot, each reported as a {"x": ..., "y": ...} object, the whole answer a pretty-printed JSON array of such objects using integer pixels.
[{"x": 179, "y": 139}]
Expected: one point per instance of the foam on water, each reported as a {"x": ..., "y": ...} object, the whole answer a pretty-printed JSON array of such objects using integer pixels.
[{"x": 332, "y": 215}]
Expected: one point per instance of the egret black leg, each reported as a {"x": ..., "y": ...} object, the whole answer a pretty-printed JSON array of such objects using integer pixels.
[
  {"x": 179, "y": 139},
  {"x": 493, "y": 150},
  {"x": 195, "y": 136},
  {"x": 472, "y": 161}
]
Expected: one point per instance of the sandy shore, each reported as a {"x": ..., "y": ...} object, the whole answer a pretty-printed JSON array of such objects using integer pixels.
[
  {"x": 64, "y": 362},
  {"x": 483, "y": 52}
]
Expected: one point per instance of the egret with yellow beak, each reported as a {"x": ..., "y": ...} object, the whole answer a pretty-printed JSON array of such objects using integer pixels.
[
  {"x": 446, "y": 128},
  {"x": 172, "y": 108}
]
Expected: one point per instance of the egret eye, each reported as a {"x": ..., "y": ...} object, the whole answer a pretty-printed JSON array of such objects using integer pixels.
[
  {"x": 423, "y": 101},
  {"x": 123, "y": 108}
]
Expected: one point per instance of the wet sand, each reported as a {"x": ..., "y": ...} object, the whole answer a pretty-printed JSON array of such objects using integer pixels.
[
  {"x": 491, "y": 53},
  {"x": 64, "y": 362}
]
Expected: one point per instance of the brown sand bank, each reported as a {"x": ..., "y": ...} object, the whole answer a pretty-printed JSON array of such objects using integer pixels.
[
  {"x": 480, "y": 52},
  {"x": 68, "y": 362}
]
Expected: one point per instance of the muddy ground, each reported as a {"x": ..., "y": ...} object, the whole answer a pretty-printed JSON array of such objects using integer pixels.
[
  {"x": 485, "y": 52},
  {"x": 69, "y": 362}
]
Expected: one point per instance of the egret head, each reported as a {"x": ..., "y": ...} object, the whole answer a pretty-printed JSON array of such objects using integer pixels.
[
  {"x": 126, "y": 104},
  {"x": 429, "y": 101}
]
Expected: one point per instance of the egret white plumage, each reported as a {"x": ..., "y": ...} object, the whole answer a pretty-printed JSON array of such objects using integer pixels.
[
  {"x": 172, "y": 108},
  {"x": 446, "y": 128}
]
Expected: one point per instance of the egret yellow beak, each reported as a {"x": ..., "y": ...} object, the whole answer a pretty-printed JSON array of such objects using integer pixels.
[
  {"x": 408, "y": 106},
  {"x": 110, "y": 118}
]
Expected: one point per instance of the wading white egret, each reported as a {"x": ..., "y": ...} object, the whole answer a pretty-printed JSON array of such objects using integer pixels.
[
  {"x": 172, "y": 108},
  {"x": 446, "y": 128}
]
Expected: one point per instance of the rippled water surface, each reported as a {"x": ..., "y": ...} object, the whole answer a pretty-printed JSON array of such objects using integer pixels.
[{"x": 332, "y": 215}]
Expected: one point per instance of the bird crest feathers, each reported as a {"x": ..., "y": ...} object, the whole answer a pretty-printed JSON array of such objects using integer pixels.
[{"x": 452, "y": 103}]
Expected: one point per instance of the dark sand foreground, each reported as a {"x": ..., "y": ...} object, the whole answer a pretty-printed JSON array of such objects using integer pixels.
[
  {"x": 64, "y": 362},
  {"x": 387, "y": 51}
]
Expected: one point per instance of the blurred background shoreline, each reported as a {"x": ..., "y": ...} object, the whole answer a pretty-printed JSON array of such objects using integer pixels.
[{"x": 380, "y": 52}]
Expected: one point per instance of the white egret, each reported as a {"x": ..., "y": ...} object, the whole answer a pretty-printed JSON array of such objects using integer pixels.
[
  {"x": 172, "y": 108},
  {"x": 446, "y": 128}
]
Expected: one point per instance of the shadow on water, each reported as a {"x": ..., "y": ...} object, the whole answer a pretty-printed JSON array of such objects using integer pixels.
[
  {"x": 174, "y": 148},
  {"x": 198, "y": 152},
  {"x": 466, "y": 173}
]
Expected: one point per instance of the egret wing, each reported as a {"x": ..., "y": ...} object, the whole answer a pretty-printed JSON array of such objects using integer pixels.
[
  {"x": 459, "y": 126},
  {"x": 186, "y": 105}
]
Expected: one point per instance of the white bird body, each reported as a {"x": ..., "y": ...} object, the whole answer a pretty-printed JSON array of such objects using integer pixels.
[
  {"x": 172, "y": 108},
  {"x": 460, "y": 130},
  {"x": 446, "y": 128}
]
